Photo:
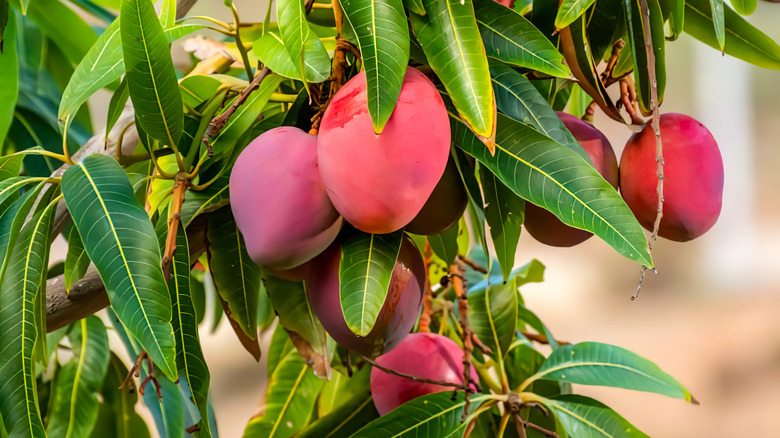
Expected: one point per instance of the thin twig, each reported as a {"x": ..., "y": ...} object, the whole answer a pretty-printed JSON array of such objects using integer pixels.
[
  {"x": 467, "y": 333},
  {"x": 540, "y": 429},
  {"x": 542, "y": 339},
  {"x": 472, "y": 264},
  {"x": 457, "y": 386},
  {"x": 134, "y": 370},
  {"x": 613, "y": 59},
  {"x": 425, "y": 317},
  {"x": 179, "y": 189}
]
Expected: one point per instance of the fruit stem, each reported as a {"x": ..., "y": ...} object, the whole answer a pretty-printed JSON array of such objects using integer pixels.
[
  {"x": 457, "y": 386},
  {"x": 504, "y": 422}
]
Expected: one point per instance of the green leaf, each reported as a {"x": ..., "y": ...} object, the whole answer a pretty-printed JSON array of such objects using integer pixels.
[
  {"x": 367, "y": 262},
  {"x": 445, "y": 244},
  {"x": 593, "y": 363},
  {"x": 505, "y": 213},
  {"x": 151, "y": 78},
  {"x": 555, "y": 91},
  {"x": 14, "y": 211},
  {"x": 76, "y": 259},
  {"x": 117, "y": 105},
  {"x": 168, "y": 411},
  {"x": 9, "y": 76},
  {"x": 383, "y": 37},
  {"x": 625, "y": 63},
  {"x": 212, "y": 198},
  {"x": 294, "y": 28},
  {"x": 637, "y": 37},
  {"x": 570, "y": 10},
  {"x": 588, "y": 418},
  {"x": 415, "y": 6},
  {"x": 292, "y": 390},
  {"x": 168, "y": 14},
  {"x": 677, "y": 17},
  {"x": 744, "y": 7},
  {"x": 341, "y": 389},
  {"x": 10, "y": 166},
  {"x": 511, "y": 38},
  {"x": 63, "y": 26},
  {"x": 236, "y": 276},
  {"x": 578, "y": 102},
  {"x": 346, "y": 419},
  {"x": 549, "y": 175},
  {"x": 117, "y": 417},
  {"x": 101, "y": 66},
  {"x": 743, "y": 41},
  {"x": 476, "y": 205},
  {"x": 606, "y": 25},
  {"x": 79, "y": 381},
  {"x": 21, "y": 280},
  {"x": 270, "y": 50},
  {"x": 120, "y": 240},
  {"x": 718, "y": 20},
  {"x": 526, "y": 316},
  {"x": 452, "y": 43},
  {"x": 291, "y": 303},
  {"x": 280, "y": 346},
  {"x": 493, "y": 315},
  {"x": 190, "y": 362},
  {"x": 432, "y": 415}
]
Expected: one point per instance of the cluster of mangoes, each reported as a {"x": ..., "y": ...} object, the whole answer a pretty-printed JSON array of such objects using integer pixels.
[{"x": 291, "y": 193}]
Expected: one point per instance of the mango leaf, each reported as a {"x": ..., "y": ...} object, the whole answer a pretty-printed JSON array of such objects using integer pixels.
[
  {"x": 9, "y": 76},
  {"x": 521, "y": 362},
  {"x": 12, "y": 216},
  {"x": 210, "y": 199},
  {"x": 505, "y": 213},
  {"x": 101, "y": 66},
  {"x": 120, "y": 240},
  {"x": 190, "y": 363},
  {"x": 169, "y": 416},
  {"x": 624, "y": 64},
  {"x": 292, "y": 390},
  {"x": 117, "y": 416},
  {"x": 117, "y": 105},
  {"x": 21, "y": 280},
  {"x": 236, "y": 276},
  {"x": 415, "y": 6},
  {"x": 525, "y": 316},
  {"x": 584, "y": 417},
  {"x": 367, "y": 262},
  {"x": 555, "y": 91},
  {"x": 493, "y": 315},
  {"x": 280, "y": 346},
  {"x": 637, "y": 38},
  {"x": 606, "y": 25},
  {"x": 476, "y": 206},
  {"x": 151, "y": 78},
  {"x": 346, "y": 419},
  {"x": 677, "y": 18},
  {"x": 570, "y": 10},
  {"x": 511, "y": 38},
  {"x": 431, "y": 415},
  {"x": 64, "y": 27},
  {"x": 576, "y": 50},
  {"x": 291, "y": 303},
  {"x": 291, "y": 17},
  {"x": 719, "y": 22},
  {"x": 76, "y": 259},
  {"x": 10, "y": 166},
  {"x": 383, "y": 37},
  {"x": 75, "y": 406},
  {"x": 451, "y": 41},
  {"x": 743, "y": 41},
  {"x": 341, "y": 389},
  {"x": 549, "y": 175},
  {"x": 270, "y": 50},
  {"x": 593, "y": 363},
  {"x": 744, "y": 7},
  {"x": 445, "y": 244}
]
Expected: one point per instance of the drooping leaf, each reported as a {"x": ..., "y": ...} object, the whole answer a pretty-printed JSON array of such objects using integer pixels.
[
  {"x": 292, "y": 391},
  {"x": 453, "y": 45},
  {"x": 117, "y": 105},
  {"x": 64, "y": 27},
  {"x": 555, "y": 91},
  {"x": 511, "y": 38},
  {"x": 168, "y": 412},
  {"x": 15, "y": 210},
  {"x": 270, "y": 50},
  {"x": 117, "y": 417},
  {"x": 291, "y": 17},
  {"x": 570, "y": 10},
  {"x": 550, "y": 175},
  {"x": 9, "y": 75},
  {"x": 677, "y": 18},
  {"x": 476, "y": 206},
  {"x": 593, "y": 363},
  {"x": 120, "y": 240},
  {"x": 75, "y": 408},
  {"x": 587, "y": 418},
  {"x": 637, "y": 38},
  {"x": 76, "y": 259},
  {"x": 431, "y": 415},
  {"x": 211, "y": 199},
  {"x": 719, "y": 22},
  {"x": 578, "y": 102},
  {"x": 10, "y": 166},
  {"x": 493, "y": 315},
  {"x": 743, "y": 41},
  {"x": 606, "y": 25},
  {"x": 151, "y": 78},
  {"x": 744, "y": 7},
  {"x": 445, "y": 244},
  {"x": 346, "y": 419},
  {"x": 383, "y": 37},
  {"x": 367, "y": 262},
  {"x": 21, "y": 280},
  {"x": 341, "y": 388},
  {"x": 505, "y": 213},
  {"x": 236, "y": 276}
]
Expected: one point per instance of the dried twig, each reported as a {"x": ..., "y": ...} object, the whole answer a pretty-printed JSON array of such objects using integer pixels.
[
  {"x": 135, "y": 370},
  {"x": 179, "y": 188},
  {"x": 542, "y": 339},
  {"x": 457, "y": 386},
  {"x": 472, "y": 264},
  {"x": 613, "y": 59},
  {"x": 467, "y": 333},
  {"x": 519, "y": 420},
  {"x": 425, "y": 317}
]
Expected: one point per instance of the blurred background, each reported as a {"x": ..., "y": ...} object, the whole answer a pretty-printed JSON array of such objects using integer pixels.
[{"x": 710, "y": 316}]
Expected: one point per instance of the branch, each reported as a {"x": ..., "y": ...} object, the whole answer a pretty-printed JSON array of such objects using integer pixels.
[
  {"x": 86, "y": 297},
  {"x": 542, "y": 339},
  {"x": 457, "y": 386}
]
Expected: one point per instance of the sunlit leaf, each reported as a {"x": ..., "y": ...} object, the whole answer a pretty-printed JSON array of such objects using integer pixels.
[
  {"x": 493, "y": 315},
  {"x": 270, "y": 50},
  {"x": 570, "y": 10},
  {"x": 63, "y": 26},
  {"x": 588, "y": 418},
  {"x": 744, "y": 7},
  {"x": 504, "y": 213},
  {"x": 9, "y": 75}
]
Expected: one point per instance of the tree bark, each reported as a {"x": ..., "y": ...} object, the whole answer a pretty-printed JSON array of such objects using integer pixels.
[{"x": 86, "y": 297}]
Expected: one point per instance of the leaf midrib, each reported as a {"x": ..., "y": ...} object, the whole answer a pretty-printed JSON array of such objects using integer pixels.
[
  {"x": 288, "y": 400},
  {"x": 532, "y": 54}
]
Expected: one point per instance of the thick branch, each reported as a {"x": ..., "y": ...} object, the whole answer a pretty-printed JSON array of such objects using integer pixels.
[{"x": 86, "y": 297}]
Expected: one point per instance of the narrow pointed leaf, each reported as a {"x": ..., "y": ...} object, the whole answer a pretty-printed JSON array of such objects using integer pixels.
[
  {"x": 151, "y": 78},
  {"x": 383, "y": 37},
  {"x": 346, "y": 419},
  {"x": 292, "y": 390},
  {"x": 743, "y": 41},
  {"x": 76, "y": 259},
  {"x": 676, "y": 16},
  {"x": 453, "y": 45},
  {"x": 236, "y": 276},
  {"x": 294, "y": 28},
  {"x": 570, "y": 10},
  {"x": 118, "y": 409},
  {"x": 588, "y": 418},
  {"x": 12, "y": 216},
  {"x": 9, "y": 75},
  {"x": 431, "y": 415},
  {"x": 606, "y": 25},
  {"x": 63, "y": 26},
  {"x": 445, "y": 244},
  {"x": 120, "y": 240},
  {"x": 79, "y": 381},
  {"x": 367, "y": 262},
  {"x": 10, "y": 166},
  {"x": 505, "y": 213},
  {"x": 719, "y": 22},
  {"x": 547, "y": 174},
  {"x": 636, "y": 38},
  {"x": 270, "y": 50},
  {"x": 593, "y": 363},
  {"x": 415, "y": 6},
  {"x": 168, "y": 412},
  {"x": 476, "y": 206},
  {"x": 511, "y": 38},
  {"x": 211, "y": 199},
  {"x": 21, "y": 279},
  {"x": 744, "y": 7},
  {"x": 493, "y": 315},
  {"x": 117, "y": 105}
]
